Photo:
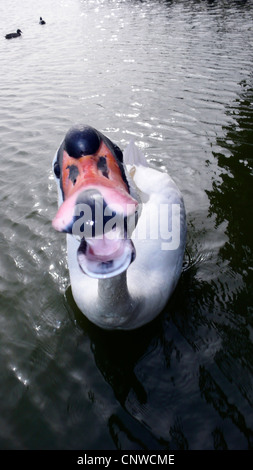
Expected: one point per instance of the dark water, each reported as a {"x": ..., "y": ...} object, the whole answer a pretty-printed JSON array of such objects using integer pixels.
[{"x": 177, "y": 77}]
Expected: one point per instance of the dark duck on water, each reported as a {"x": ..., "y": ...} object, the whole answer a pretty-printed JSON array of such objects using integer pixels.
[
  {"x": 42, "y": 21},
  {"x": 14, "y": 35}
]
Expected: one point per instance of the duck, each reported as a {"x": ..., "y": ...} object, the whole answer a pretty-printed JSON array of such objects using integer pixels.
[
  {"x": 14, "y": 35},
  {"x": 125, "y": 225},
  {"x": 42, "y": 21}
]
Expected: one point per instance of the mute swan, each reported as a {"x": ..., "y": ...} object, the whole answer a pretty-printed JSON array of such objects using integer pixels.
[{"x": 126, "y": 229}]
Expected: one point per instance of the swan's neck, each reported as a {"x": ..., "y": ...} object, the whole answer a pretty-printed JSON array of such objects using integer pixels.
[{"x": 115, "y": 301}]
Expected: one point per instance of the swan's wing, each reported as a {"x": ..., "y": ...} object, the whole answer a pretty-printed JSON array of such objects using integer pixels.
[{"x": 133, "y": 156}]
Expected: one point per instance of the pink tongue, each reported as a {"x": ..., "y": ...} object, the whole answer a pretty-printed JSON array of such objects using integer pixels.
[
  {"x": 117, "y": 199},
  {"x": 103, "y": 258},
  {"x": 105, "y": 249}
]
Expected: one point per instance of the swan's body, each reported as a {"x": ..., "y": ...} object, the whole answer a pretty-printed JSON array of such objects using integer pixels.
[
  {"x": 141, "y": 288},
  {"x": 13, "y": 35}
]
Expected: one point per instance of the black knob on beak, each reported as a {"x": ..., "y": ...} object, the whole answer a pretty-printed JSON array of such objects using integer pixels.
[{"x": 80, "y": 141}]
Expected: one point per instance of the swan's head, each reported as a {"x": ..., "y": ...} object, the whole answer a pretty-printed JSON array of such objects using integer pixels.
[{"x": 95, "y": 203}]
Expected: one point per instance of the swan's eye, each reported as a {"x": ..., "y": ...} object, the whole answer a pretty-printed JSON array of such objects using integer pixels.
[
  {"x": 102, "y": 166},
  {"x": 57, "y": 170},
  {"x": 73, "y": 173}
]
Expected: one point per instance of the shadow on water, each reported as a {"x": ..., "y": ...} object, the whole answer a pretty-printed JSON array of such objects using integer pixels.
[
  {"x": 185, "y": 380},
  {"x": 116, "y": 355}
]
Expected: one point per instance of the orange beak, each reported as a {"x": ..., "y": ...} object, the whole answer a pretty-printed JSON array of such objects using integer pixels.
[
  {"x": 100, "y": 172},
  {"x": 96, "y": 197}
]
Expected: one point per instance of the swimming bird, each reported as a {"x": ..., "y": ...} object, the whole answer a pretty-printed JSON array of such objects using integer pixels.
[
  {"x": 42, "y": 21},
  {"x": 126, "y": 229},
  {"x": 14, "y": 35}
]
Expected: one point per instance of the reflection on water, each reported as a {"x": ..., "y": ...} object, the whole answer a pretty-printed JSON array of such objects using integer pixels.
[
  {"x": 177, "y": 77},
  {"x": 231, "y": 201}
]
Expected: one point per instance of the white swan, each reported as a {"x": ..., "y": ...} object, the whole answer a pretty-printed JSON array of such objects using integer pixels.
[{"x": 126, "y": 229}]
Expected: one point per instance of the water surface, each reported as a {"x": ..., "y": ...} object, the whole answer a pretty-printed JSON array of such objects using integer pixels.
[{"x": 177, "y": 77}]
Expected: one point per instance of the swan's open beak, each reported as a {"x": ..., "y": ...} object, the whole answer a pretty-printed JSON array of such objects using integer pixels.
[
  {"x": 104, "y": 258},
  {"x": 96, "y": 207}
]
